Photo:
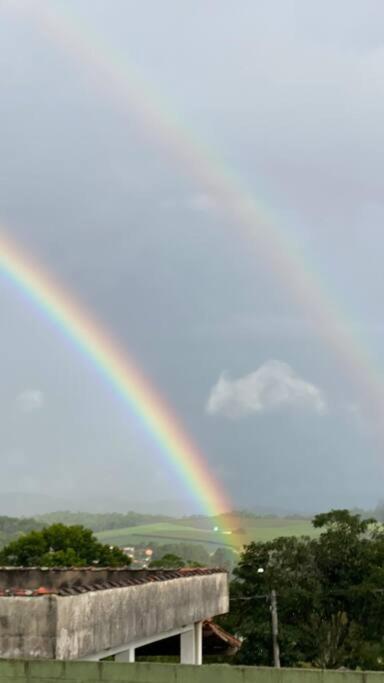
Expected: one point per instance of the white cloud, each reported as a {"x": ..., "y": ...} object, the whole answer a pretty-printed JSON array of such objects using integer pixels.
[
  {"x": 30, "y": 400},
  {"x": 273, "y": 386}
]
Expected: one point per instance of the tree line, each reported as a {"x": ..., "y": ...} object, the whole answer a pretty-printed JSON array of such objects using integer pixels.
[
  {"x": 12, "y": 527},
  {"x": 330, "y": 596},
  {"x": 329, "y": 589},
  {"x": 73, "y": 545},
  {"x": 192, "y": 554}
]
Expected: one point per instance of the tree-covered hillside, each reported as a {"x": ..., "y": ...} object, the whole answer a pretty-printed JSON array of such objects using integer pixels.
[
  {"x": 101, "y": 521},
  {"x": 12, "y": 527}
]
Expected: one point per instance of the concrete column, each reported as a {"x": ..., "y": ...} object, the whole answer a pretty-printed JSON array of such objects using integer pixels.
[
  {"x": 199, "y": 642},
  {"x": 191, "y": 645},
  {"x": 126, "y": 656},
  {"x": 187, "y": 647}
]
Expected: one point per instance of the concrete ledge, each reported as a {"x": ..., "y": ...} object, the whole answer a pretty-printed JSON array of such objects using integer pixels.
[
  {"x": 16, "y": 671},
  {"x": 72, "y": 627}
]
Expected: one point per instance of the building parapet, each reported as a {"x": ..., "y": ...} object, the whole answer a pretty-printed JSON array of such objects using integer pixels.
[
  {"x": 92, "y": 613},
  {"x": 105, "y": 672},
  {"x": 38, "y": 581}
]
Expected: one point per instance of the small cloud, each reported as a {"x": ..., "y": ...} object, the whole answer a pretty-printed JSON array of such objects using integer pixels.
[
  {"x": 30, "y": 400},
  {"x": 273, "y": 386}
]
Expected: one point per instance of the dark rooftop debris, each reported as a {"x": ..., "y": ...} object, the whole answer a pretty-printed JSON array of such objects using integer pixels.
[{"x": 64, "y": 581}]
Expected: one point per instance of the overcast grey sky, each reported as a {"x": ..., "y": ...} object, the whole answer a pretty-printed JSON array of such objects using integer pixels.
[{"x": 289, "y": 94}]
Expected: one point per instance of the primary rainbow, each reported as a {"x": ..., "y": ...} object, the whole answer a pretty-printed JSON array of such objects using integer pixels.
[{"x": 120, "y": 371}]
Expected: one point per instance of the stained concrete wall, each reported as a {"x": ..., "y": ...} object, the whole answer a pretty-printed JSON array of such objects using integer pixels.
[
  {"x": 73, "y": 627},
  {"x": 28, "y": 627},
  {"x": 96, "y": 621},
  {"x": 87, "y": 672}
]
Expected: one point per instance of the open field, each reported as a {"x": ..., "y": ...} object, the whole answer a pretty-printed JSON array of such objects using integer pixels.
[{"x": 201, "y": 531}]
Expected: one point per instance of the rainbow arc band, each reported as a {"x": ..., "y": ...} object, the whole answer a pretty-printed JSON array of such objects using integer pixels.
[{"x": 119, "y": 370}]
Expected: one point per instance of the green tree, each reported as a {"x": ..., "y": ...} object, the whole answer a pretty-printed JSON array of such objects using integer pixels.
[
  {"x": 59, "y": 545},
  {"x": 192, "y": 554},
  {"x": 224, "y": 558},
  {"x": 330, "y": 600},
  {"x": 168, "y": 561}
]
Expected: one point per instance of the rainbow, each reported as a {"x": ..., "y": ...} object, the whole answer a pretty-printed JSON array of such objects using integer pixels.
[
  {"x": 114, "y": 365},
  {"x": 272, "y": 244}
]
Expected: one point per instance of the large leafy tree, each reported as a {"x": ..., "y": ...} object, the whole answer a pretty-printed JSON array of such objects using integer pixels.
[
  {"x": 330, "y": 596},
  {"x": 59, "y": 545}
]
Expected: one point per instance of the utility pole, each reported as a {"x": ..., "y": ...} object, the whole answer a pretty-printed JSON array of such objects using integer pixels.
[{"x": 275, "y": 630}]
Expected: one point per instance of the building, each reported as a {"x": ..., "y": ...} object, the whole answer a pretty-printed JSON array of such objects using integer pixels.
[
  {"x": 92, "y": 613},
  {"x": 217, "y": 643}
]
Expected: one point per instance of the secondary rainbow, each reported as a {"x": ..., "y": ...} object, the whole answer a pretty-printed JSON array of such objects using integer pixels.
[
  {"x": 272, "y": 243},
  {"x": 120, "y": 371}
]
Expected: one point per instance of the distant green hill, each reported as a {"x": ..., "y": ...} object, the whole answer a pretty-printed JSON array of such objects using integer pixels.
[
  {"x": 99, "y": 521},
  {"x": 251, "y": 529},
  {"x": 230, "y": 530},
  {"x": 12, "y": 527},
  {"x": 162, "y": 532}
]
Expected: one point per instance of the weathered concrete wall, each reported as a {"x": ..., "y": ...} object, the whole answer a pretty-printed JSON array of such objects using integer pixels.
[
  {"x": 28, "y": 627},
  {"x": 87, "y": 672},
  {"x": 96, "y": 621},
  {"x": 72, "y": 627}
]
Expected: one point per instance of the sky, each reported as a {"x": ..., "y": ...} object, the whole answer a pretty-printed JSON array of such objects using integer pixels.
[{"x": 288, "y": 97}]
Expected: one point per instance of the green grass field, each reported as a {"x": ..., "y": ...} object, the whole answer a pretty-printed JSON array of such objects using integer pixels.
[{"x": 243, "y": 530}]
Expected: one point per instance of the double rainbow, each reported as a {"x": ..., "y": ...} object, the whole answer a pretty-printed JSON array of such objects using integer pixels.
[{"x": 271, "y": 243}]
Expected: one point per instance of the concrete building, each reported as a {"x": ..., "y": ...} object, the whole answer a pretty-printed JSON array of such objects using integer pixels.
[
  {"x": 217, "y": 643},
  {"x": 92, "y": 613}
]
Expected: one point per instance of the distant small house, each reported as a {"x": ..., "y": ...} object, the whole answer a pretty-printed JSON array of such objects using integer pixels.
[{"x": 129, "y": 551}]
